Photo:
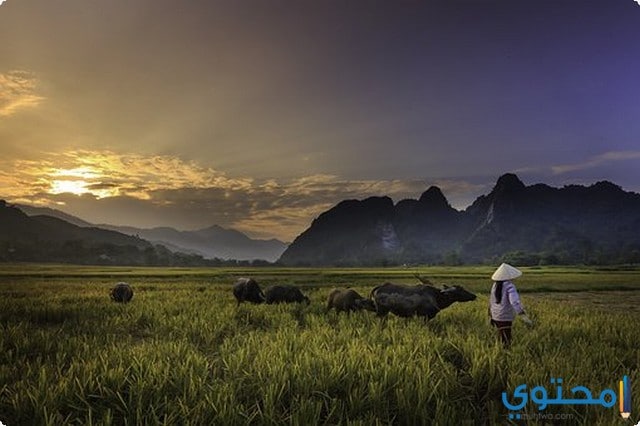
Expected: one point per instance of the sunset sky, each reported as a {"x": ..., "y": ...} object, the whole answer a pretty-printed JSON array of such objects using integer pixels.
[{"x": 259, "y": 115}]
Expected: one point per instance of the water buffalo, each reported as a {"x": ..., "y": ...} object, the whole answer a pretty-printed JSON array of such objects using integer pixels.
[
  {"x": 247, "y": 290},
  {"x": 122, "y": 293},
  {"x": 347, "y": 300},
  {"x": 284, "y": 294},
  {"x": 420, "y": 300}
]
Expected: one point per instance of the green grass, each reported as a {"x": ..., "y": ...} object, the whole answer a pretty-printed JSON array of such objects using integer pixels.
[{"x": 182, "y": 352}]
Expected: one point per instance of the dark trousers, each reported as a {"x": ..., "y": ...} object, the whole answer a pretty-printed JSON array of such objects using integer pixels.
[{"x": 504, "y": 331}]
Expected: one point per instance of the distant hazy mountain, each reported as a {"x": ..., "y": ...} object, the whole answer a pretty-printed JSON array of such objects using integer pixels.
[
  {"x": 534, "y": 224},
  {"x": 48, "y": 239},
  {"x": 212, "y": 242}
]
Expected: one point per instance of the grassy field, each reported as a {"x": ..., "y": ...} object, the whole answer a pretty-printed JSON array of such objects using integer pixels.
[{"x": 182, "y": 352}]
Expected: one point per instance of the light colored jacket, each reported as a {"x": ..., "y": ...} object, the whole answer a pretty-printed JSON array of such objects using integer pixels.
[{"x": 510, "y": 304}]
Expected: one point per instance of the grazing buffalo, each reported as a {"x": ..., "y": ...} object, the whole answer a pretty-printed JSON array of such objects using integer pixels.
[
  {"x": 122, "y": 293},
  {"x": 420, "y": 300},
  {"x": 284, "y": 294},
  {"x": 348, "y": 300},
  {"x": 247, "y": 290}
]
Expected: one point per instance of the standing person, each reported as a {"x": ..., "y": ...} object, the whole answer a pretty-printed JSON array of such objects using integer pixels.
[{"x": 504, "y": 302}]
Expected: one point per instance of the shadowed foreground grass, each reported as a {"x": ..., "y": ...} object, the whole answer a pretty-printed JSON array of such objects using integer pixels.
[{"x": 182, "y": 352}]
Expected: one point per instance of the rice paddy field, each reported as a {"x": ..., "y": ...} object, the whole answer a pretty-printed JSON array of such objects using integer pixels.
[{"x": 182, "y": 352}]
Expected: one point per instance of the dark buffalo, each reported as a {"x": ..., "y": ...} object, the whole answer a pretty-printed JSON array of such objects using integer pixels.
[
  {"x": 347, "y": 300},
  {"x": 420, "y": 300},
  {"x": 247, "y": 290},
  {"x": 122, "y": 293},
  {"x": 284, "y": 294}
]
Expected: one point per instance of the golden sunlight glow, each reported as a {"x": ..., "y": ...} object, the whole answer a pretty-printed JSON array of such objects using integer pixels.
[
  {"x": 105, "y": 174},
  {"x": 77, "y": 187},
  {"x": 72, "y": 181},
  {"x": 77, "y": 172},
  {"x": 78, "y": 181}
]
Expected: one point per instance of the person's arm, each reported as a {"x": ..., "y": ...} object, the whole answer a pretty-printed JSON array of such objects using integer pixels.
[
  {"x": 514, "y": 299},
  {"x": 489, "y": 305}
]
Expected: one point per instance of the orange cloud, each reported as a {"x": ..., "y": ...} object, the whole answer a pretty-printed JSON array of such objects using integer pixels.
[
  {"x": 17, "y": 91},
  {"x": 107, "y": 174},
  {"x": 162, "y": 190}
]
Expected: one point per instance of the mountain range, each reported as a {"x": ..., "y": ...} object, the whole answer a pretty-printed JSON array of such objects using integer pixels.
[
  {"x": 43, "y": 238},
  {"x": 535, "y": 224},
  {"x": 212, "y": 242},
  {"x": 525, "y": 225}
]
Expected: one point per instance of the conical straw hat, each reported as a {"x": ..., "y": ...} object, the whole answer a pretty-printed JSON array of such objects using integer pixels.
[{"x": 506, "y": 272}]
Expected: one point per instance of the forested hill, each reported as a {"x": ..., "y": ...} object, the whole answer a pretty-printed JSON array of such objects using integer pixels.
[
  {"x": 45, "y": 238},
  {"x": 533, "y": 224},
  {"x": 210, "y": 243}
]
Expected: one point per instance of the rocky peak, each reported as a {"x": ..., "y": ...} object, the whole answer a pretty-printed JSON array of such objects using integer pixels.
[
  {"x": 513, "y": 218},
  {"x": 606, "y": 186},
  {"x": 508, "y": 182},
  {"x": 433, "y": 197}
]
